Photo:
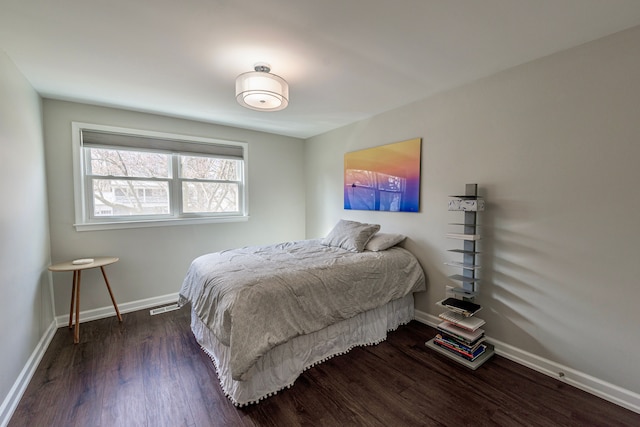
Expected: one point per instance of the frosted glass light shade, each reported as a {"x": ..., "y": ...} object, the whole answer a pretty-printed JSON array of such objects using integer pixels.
[{"x": 262, "y": 91}]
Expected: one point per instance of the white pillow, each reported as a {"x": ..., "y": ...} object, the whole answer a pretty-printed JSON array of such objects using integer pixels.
[
  {"x": 350, "y": 235},
  {"x": 383, "y": 241}
]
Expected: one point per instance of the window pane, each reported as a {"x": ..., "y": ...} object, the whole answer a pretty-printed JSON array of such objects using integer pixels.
[
  {"x": 119, "y": 197},
  {"x": 138, "y": 164},
  {"x": 201, "y": 197},
  {"x": 198, "y": 167}
]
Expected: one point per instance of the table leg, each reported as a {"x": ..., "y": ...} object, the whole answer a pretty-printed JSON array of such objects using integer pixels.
[
  {"x": 73, "y": 296},
  {"x": 76, "y": 335},
  {"x": 113, "y": 300}
]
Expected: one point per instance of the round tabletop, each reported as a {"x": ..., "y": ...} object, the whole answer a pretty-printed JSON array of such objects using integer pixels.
[{"x": 70, "y": 266}]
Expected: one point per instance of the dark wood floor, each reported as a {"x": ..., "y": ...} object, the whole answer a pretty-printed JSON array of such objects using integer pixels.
[{"x": 149, "y": 371}]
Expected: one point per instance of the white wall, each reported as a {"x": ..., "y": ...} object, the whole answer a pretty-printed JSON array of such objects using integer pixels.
[
  {"x": 554, "y": 146},
  {"x": 153, "y": 261},
  {"x": 26, "y": 310}
]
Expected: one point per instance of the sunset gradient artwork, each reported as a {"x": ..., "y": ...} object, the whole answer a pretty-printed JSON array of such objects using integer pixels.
[{"x": 384, "y": 178}]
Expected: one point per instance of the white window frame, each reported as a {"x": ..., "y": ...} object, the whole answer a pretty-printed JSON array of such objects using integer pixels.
[{"x": 85, "y": 222}]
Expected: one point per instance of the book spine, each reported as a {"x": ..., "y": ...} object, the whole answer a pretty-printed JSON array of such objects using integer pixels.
[
  {"x": 468, "y": 356},
  {"x": 460, "y": 345},
  {"x": 459, "y": 325},
  {"x": 462, "y": 340}
]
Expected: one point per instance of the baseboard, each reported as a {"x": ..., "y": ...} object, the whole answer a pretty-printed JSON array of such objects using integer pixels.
[
  {"x": 607, "y": 391},
  {"x": 10, "y": 402},
  {"x": 101, "y": 313}
]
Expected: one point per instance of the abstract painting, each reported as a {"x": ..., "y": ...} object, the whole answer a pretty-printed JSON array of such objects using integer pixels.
[{"x": 384, "y": 178}]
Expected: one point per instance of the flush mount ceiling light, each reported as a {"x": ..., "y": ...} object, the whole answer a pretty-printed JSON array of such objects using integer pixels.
[{"x": 262, "y": 91}]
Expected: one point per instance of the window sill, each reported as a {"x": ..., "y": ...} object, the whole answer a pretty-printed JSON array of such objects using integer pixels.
[{"x": 96, "y": 226}]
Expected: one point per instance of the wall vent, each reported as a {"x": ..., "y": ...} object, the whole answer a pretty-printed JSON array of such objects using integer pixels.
[{"x": 164, "y": 309}]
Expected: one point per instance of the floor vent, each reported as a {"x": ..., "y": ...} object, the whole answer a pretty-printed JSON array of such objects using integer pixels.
[{"x": 164, "y": 309}]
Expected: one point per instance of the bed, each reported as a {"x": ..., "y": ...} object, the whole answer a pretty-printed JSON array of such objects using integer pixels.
[{"x": 264, "y": 314}]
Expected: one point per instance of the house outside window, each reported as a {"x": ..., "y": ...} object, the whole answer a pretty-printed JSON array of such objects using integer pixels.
[{"x": 128, "y": 178}]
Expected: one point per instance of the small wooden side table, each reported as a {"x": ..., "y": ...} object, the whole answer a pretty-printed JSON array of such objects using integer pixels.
[{"x": 75, "y": 290}]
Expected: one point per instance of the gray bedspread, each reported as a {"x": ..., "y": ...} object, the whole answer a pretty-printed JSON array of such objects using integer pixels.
[{"x": 255, "y": 298}]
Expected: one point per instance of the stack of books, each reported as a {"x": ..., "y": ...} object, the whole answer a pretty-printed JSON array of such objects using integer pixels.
[{"x": 465, "y": 343}]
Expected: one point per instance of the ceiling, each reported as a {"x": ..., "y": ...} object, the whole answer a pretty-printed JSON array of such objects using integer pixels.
[{"x": 345, "y": 60}]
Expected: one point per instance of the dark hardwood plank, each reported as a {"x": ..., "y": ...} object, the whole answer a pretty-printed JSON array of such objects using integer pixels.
[
  {"x": 121, "y": 406},
  {"x": 150, "y": 371}
]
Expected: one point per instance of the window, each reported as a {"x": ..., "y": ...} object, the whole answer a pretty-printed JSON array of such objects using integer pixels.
[{"x": 127, "y": 178}]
